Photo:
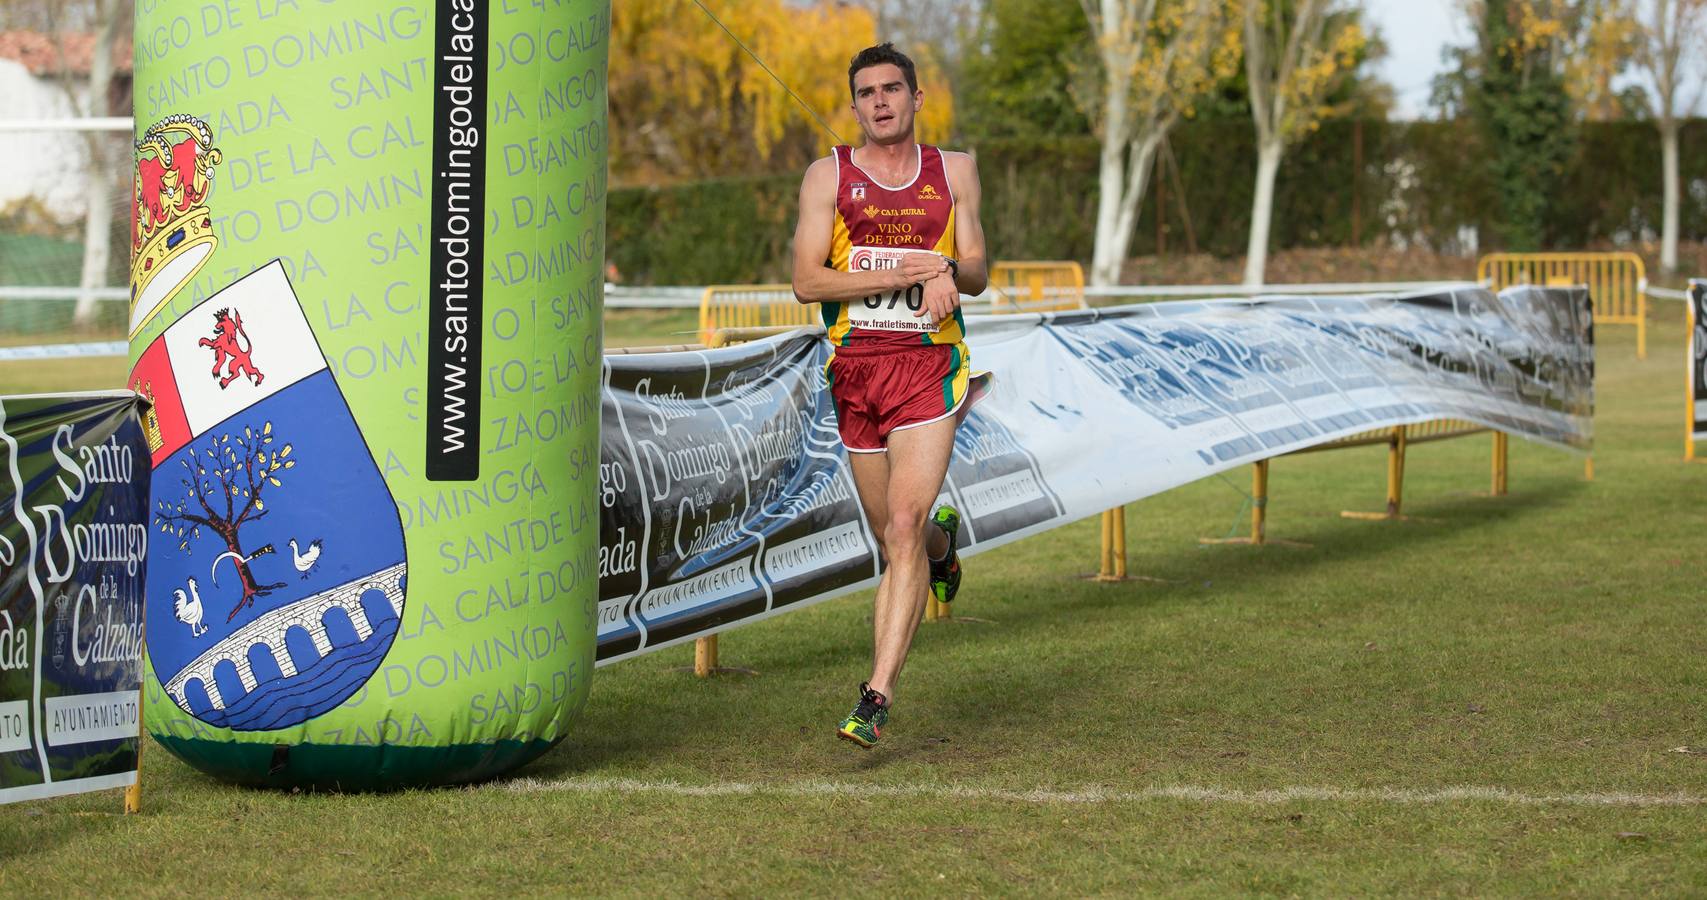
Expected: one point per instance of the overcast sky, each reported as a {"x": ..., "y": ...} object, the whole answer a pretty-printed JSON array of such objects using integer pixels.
[{"x": 1415, "y": 31}]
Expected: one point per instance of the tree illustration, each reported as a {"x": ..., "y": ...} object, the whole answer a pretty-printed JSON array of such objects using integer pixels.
[{"x": 223, "y": 481}]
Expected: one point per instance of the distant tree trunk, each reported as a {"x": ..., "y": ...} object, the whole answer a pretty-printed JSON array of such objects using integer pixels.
[
  {"x": 1666, "y": 30},
  {"x": 1262, "y": 211},
  {"x": 1123, "y": 175},
  {"x": 1668, "y": 235},
  {"x": 1292, "y": 62},
  {"x": 98, "y": 203},
  {"x": 1157, "y": 57},
  {"x": 1108, "y": 250}
]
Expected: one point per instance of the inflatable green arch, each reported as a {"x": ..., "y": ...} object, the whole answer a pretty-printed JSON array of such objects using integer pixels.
[{"x": 367, "y": 250}]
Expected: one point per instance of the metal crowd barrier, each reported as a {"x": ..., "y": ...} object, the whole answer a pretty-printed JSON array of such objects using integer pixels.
[
  {"x": 1033, "y": 287},
  {"x": 1398, "y": 439},
  {"x": 1014, "y": 287},
  {"x": 1617, "y": 283},
  {"x": 751, "y": 306}
]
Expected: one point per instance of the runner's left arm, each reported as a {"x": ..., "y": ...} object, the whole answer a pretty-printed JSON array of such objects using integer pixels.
[
  {"x": 968, "y": 230},
  {"x": 942, "y": 293}
]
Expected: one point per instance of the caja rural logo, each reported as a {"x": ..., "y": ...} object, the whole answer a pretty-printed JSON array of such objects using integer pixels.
[{"x": 171, "y": 230}]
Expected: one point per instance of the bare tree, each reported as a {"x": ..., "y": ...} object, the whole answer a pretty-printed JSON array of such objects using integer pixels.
[
  {"x": 1667, "y": 29},
  {"x": 1156, "y": 58},
  {"x": 943, "y": 25}
]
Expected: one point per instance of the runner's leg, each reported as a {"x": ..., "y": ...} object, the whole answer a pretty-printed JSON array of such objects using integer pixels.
[
  {"x": 918, "y": 460},
  {"x": 871, "y": 483}
]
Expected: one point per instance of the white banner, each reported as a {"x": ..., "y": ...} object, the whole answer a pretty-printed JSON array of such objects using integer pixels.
[{"x": 726, "y": 493}]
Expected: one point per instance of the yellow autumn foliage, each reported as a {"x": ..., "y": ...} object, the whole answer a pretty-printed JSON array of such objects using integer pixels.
[
  {"x": 686, "y": 101},
  {"x": 1588, "y": 42},
  {"x": 1296, "y": 57}
]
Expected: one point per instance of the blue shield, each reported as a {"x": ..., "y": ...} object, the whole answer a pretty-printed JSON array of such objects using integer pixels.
[{"x": 279, "y": 573}]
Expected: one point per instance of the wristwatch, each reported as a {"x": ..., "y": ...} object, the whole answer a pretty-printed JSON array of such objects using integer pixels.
[{"x": 953, "y": 266}]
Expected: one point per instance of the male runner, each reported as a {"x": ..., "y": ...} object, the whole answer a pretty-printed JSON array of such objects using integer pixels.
[{"x": 888, "y": 240}]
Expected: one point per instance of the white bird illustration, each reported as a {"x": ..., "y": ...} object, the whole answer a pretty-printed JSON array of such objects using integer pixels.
[
  {"x": 189, "y": 609},
  {"x": 305, "y": 560}
]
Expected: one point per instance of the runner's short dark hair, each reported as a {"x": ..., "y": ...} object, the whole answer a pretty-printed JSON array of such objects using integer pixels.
[{"x": 884, "y": 53}]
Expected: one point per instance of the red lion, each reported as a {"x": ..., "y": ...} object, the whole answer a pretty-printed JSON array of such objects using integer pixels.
[{"x": 227, "y": 326}]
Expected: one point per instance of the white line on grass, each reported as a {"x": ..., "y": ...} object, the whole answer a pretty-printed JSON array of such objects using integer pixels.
[{"x": 1096, "y": 795}]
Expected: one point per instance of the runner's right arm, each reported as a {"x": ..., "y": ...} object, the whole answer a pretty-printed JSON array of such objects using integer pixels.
[{"x": 816, "y": 282}]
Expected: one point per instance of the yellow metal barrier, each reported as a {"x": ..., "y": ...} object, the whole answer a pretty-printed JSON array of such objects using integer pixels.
[
  {"x": 1398, "y": 439},
  {"x": 1112, "y": 566},
  {"x": 1031, "y": 287},
  {"x": 724, "y": 337},
  {"x": 1693, "y": 329},
  {"x": 1617, "y": 283},
  {"x": 1016, "y": 286},
  {"x": 752, "y": 306}
]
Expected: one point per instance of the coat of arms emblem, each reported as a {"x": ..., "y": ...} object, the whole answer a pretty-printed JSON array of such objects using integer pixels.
[{"x": 279, "y": 574}]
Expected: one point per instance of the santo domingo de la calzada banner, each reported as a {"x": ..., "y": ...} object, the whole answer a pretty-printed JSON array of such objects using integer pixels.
[
  {"x": 72, "y": 546},
  {"x": 726, "y": 496}
]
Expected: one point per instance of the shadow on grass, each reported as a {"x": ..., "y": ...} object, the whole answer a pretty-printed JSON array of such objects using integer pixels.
[
  {"x": 1333, "y": 542},
  {"x": 670, "y": 720}
]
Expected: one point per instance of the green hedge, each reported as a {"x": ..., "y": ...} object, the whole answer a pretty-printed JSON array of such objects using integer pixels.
[
  {"x": 728, "y": 231},
  {"x": 1423, "y": 182}
]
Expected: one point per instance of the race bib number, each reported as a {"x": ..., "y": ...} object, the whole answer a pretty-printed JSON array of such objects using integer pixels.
[{"x": 889, "y": 310}]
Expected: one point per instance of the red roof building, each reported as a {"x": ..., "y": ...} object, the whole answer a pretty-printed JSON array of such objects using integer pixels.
[{"x": 48, "y": 55}]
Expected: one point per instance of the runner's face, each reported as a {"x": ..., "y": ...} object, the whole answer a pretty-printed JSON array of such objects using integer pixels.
[{"x": 884, "y": 105}]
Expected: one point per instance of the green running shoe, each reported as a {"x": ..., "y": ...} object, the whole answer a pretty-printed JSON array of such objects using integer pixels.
[
  {"x": 865, "y": 724},
  {"x": 945, "y": 572}
]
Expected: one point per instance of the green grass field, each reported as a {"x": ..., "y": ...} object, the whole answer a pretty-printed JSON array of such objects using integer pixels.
[{"x": 1487, "y": 700}]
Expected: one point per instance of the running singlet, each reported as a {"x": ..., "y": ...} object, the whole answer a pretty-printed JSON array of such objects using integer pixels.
[{"x": 875, "y": 226}]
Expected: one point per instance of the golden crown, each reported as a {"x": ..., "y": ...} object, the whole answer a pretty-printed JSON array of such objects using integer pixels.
[{"x": 171, "y": 234}]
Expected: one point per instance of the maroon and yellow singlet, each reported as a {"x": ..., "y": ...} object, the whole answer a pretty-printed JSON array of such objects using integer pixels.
[
  {"x": 875, "y": 225},
  {"x": 891, "y": 370}
]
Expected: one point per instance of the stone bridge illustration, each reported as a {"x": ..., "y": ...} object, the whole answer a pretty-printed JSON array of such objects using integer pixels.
[{"x": 270, "y": 630}]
